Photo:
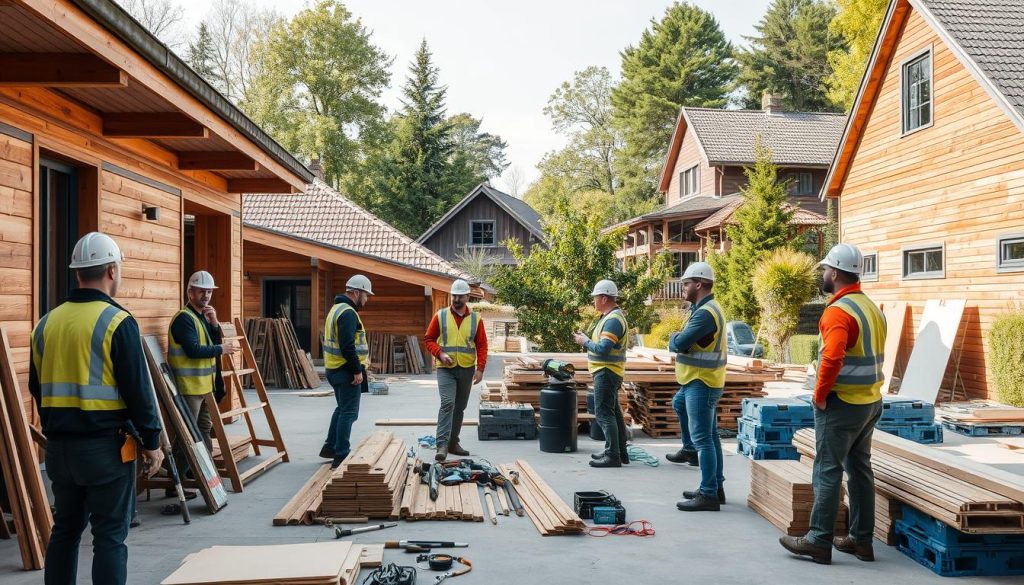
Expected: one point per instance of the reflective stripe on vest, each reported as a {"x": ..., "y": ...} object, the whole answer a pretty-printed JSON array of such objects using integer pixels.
[
  {"x": 71, "y": 352},
  {"x": 706, "y": 363},
  {"x": 333, "y": 358},
  {"x": 860, "y": 376},
  {"x": 615, "y": 361},
  {"x": 194, "y": 376},
  {"x": 458, "y": 340}
]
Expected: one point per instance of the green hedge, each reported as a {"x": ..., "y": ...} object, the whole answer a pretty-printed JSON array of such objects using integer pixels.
[
  {"x": 803, "y": 349},
  {"x": 660, "y": 332},
  {"x": 1006, "y": 343}
]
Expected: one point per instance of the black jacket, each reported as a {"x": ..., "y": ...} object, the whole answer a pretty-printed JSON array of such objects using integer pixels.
[
  {"x": 348, "y": 324},
  {"x": 183, "y": 329}
]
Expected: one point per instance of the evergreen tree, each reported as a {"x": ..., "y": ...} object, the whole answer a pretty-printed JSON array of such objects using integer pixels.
[
  {"x": 200, "y": 55},
  {"x": 858, "y": 22}
]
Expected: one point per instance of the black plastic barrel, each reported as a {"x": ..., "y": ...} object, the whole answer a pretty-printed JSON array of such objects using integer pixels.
[
  {"x": 557, "y": 430},
  {"x": 595, "y": 429}
]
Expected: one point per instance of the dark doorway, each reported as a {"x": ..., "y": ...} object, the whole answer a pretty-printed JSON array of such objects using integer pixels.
[
  {"x": 290, "y": 298},
  {"x": 58, "y": 213}
]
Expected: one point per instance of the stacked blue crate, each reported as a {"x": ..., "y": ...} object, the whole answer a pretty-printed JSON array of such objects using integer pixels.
[
  {"x": 910, "y": 419},
  {"x": 951, "y": 553},
  {"x": 767, "y": 426}
]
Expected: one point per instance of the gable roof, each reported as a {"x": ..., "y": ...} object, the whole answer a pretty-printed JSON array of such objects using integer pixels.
[
  {"x": 699, "y": 206},
  {"x": 727, "y": 137},
  {"x": 985, "y": 35},
  {"x": 517, "y": 208},
  {"x": 724, "y": 216},
  {"x": 325, "y": 216}
]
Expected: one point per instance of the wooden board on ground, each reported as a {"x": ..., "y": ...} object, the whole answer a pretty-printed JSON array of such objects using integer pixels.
[
  {"x": 548, "y": 512},
  {"x": 419, "y": 422},
  {"x": 319, "y": 563},
  {"x": 305, "y": 504},
  {"x": 933, "y": 345},
  {"x": 369, "y": 481},
  {"x": 895, "y": 317}
]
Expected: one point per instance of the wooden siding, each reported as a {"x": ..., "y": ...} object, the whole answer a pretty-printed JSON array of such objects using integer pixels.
[
  {"x": 690, "y": 154},
  {"x": 959, "y": 183},
  {"x": 453, "y": 236},
  {"x": 733, "y": 179}
]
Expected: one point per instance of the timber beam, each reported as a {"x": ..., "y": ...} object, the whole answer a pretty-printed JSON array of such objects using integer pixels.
[
  {"x": 59, "y": 70},
  {"x": 226, "y": 160},
  {"x": 152, "y": 125},
  {"x": 267, "y": 185}
]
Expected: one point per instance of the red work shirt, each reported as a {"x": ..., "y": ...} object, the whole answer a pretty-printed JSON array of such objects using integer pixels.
[
  {"x": 434, "y": 331},
  {"x": 839, "y": 332}
]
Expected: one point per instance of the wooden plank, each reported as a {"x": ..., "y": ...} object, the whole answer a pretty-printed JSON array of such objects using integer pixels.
[
  {"x": 152, "y": 125},
  {"x": 55, "y": 70},
  {"x": 228, "y": 160}
]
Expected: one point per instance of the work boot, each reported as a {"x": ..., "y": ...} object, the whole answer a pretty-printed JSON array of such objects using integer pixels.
[
  {"x": 456, "y": 449},
  {"x": 608, "y": 460},
  {"x": 699, "y": 503},
  {"x": 136, "y": 521},
  {"x": 442, "y": 454},
  {"x": 690, "y": 495},
  {"x": 337, "y": 460},
  {"x": 598, "y": 455},
  {"x": 624, "y": 457},
  {"x": 326, "y": 452},
  {"x": 847, "y": 544},
  {"x": 687, "y": 456},
  {"x": 173, "y": 493},
  {"x": 799, "y": 545}
]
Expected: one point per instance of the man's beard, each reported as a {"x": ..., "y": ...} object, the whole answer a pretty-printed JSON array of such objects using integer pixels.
[
  {"x": 458, "y": 305},
  {"x": 828, "y": 286}
]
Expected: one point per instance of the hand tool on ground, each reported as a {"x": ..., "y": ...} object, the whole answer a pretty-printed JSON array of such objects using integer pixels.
[
  {"x": 433, "y": 479},
  {"x": 343, "y": 532},
  {"x": 513, "y": 498},
  {"x": 444, "y": 563},
  {"x": 425, "y": 544}
]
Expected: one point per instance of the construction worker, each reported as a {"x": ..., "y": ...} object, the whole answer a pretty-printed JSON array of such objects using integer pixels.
[
  {"x": 701, "y": 355},
  {"x": 457, "y": 340},
  {"x": 847, "y": 404},
  {"x": 346, "y": 353},
  {"x": 194, "y": 347},
  {"x": 89, "y": 379},
  {"x": 606, "y": 360}
]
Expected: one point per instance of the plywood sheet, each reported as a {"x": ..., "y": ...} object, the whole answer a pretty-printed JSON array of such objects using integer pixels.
[
  {"x": 282, "y": 563},
  {"x": 932, "y": 347},
  {"x": 895, "y": 313}
]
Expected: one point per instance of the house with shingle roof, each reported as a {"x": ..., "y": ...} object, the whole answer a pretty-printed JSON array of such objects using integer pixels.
[
  {"x": 703, "y": 174},
  {"x": 929, "y": 175}
]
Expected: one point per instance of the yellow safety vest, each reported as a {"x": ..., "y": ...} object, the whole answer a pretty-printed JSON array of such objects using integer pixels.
[
  {"x": 71, "y": 353},
  {"x": 194, "y": 376},
  {"x": 706, "y": 363},
  {"x": 860, "y": 378},
  {"x": 332, "y": 345},
  {"x": 458, "y": 341},
  {"x": 615, "y": 361}
]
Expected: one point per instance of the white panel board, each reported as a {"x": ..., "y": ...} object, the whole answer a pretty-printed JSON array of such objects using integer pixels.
[{"x": 932, "y": 348}]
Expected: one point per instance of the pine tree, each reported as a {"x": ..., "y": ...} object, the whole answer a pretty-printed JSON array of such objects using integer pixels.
[{"x": 200, "y": 55}]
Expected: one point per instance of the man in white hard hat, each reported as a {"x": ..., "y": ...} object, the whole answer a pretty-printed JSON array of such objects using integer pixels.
[
  {"x": 194, "y": 346},
  {"x": 701, "y": 355},
  {"x": 847, "y": 404},
  {"x": 346, "y": 354},
  {"x": 457, "y": 340},
  {"x": 89, "y": 379},
  {"x": 606, "y": 360}
]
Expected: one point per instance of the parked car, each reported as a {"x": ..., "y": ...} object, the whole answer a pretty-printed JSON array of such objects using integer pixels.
[{"x": 739, "y": 339}]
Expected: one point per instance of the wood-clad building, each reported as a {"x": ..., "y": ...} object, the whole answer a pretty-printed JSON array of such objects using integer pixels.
[
  {"x": 930, "y": 173},
  {"x": 104, "y": 128}
]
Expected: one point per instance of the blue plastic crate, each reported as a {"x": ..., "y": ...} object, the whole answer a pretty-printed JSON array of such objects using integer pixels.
[
  {"x": 771, "y": 452},
  {"x": 907, "y": 410},
  {"x": 924, "y": 433},
  {"x": 959, "y": 561},
  {"x": 755, "y": 432},
  {"x": 945, "y": 535},
  {"x": 984, "y": 430},
  {"x": 776, "y": 412}
]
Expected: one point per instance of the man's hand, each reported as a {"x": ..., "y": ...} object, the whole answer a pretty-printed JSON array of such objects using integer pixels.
[
  {"x": 153, "y": 459},
  {"x": 580, "y": 338},
  {"x": 211, "y": 315},
  {"x": 229, "y": 348},
  {"x": 446, "y": 359},
  {"x": 819, "y": 404},
  {"x": 357, "y": 379},
  {"x": 479, "y": 375}
]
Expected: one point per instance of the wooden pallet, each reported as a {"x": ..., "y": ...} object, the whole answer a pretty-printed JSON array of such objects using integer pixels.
[
  {"x": 549, "y": 513},
  {"x": 369, "y": 482}
]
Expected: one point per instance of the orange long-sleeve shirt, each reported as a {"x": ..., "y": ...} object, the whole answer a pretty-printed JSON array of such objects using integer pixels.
[
  {"x": 434, "y": 331},
  {"x": 839, "y": 332}
]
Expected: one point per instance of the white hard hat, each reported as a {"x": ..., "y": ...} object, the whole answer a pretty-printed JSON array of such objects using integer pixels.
[
  {"x": 605, "y": 287},
  {"x": 94, "y": 249},
  {"x": 460, "y": 287},
  {"x": 845, "y": 257},
  {"x": 202, "y": 279},
  {"x": 359, "y": 282},
  {"x": 699, "y": 270}
]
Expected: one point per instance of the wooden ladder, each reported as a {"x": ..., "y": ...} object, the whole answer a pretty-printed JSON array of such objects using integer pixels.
[{"x": 233, "y": 449}]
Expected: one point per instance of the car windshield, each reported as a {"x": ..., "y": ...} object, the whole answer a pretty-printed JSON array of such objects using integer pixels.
[{"x": 743, "y": 333}]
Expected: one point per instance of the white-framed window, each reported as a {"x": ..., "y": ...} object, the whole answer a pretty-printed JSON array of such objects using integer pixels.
[
  {"x": 916, "y": 91},
  {"x": 869, "y": 269},
  {"x": 481, "y": 232},
  {"x": 927, "y": 261},
  {"x": 1010, "y": 253},
  {"x": 689, "y": 181},
  {"x": 680, "y": 260},
  {"x": 802, "y": 184}
]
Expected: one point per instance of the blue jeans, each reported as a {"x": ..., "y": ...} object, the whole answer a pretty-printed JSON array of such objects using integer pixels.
[
  {"x": 346, "y": 395},
  {"x": 701, "y": 415},
  {"x": 679, "y": 405}
]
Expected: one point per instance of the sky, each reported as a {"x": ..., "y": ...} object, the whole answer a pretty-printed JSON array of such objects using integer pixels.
[{"x": 502, "y": 60}]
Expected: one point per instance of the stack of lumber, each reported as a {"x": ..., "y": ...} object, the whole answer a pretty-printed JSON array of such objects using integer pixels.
[
  {"x": 26, "y": 494},
  {"x": 887, "y": 512},
  {"x": 369, "y": 482},
  {"x": 304, "y": 506},
  {"x": 279, "y": 357},
  {"x": 549, "y": 513},
  {"x": 969, "y": 496},
  {"x": 454, "y": 502},
  {"x": 981, "y": 418},
  {"x": 491, "y": 391},
  {"x": 781, "y": 492},
  {"x": 397, "y": 354},
  {"x": 320, "y": 563}
]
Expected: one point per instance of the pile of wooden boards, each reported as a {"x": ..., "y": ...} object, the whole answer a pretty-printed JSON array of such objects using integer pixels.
[
  {"x": 887, "y": 512},
  {"x": 280, "y": 358},
  {"x": 549, "y": 513},
  {"x": 781, "y": 492},
  {"x": 454, "y": 502},
  {"x": 369, "y": 482},
  {"x": 397, "y": 354},
  {"x": 320, "y": 563},
  {"x": 304, "y": 507},
  {"x": 26, "y": 493},
  {"x": 981, "y": 418},
  {"x": 523, "y": 380},
  {"x": 957, "y": 491}
]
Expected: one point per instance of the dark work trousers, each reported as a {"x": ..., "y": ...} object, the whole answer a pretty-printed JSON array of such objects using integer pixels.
[
  {"x": 454, "y": 385},
  {"x": 842, "y": 438},
  {"x": 608, "y": 412},
  {"x": 90, "y": 486},
  {"x": 346, "y": 395}
]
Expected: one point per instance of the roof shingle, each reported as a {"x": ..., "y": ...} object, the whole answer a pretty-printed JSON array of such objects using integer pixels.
[{"x": 794, "y": 138}]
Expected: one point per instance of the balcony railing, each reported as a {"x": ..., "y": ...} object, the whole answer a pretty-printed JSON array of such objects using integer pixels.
[{"x": 672, "y": 290}]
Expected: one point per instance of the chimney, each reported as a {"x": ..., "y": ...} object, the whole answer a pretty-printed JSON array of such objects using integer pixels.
[
  {"x": 771, "y": 103},
  {"x": 317, "y": 169}
]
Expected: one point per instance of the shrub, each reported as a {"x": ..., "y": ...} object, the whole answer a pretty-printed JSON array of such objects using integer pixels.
[
  {"x": 782, "y": 283},
  {"x": 1006, "y": 344},
  {"x": 670, "y": 323},
  {"x": 803, "y": 349}
]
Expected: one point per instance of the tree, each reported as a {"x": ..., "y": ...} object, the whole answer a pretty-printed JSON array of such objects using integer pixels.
[
  {"x": 789, "y": 55},
  {"x": 682, "y": 60},
  {"x": 160, "y": 17},
  {"x": 546, "y": 194},
  {"x": 236, "y": 28},
  {"x": 550, "y": 287},
  {"x": 200, "y": 55},
  {"x": 782, "y": 283},
  {"x": 858, "y": 22},
  {"x": 514, "y": 178},
  {"x": 476, "y": 156},
  {"x": 318, "y": 94},
  {"x": 761, "y": 225}
]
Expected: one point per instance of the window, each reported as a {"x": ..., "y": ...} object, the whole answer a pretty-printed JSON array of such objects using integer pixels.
[
  {"x": 924, "y": 262},
  {"x": 869, "y": 270},
  {"x": 802, "y": 184},
  {"x": 680, "y": 260},
  {"x": 1011, "y": 253},
  {"x": 917, "y": 92},
  {"x": 689, "y": 181},
  {"x": 481, "y": 232}
]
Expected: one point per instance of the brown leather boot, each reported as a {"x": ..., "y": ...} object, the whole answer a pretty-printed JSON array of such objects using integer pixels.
[
  {"x": 848, "y": 545},
  {"x": 799, "y": 545},
  {"x": 456, "y": 449}
]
